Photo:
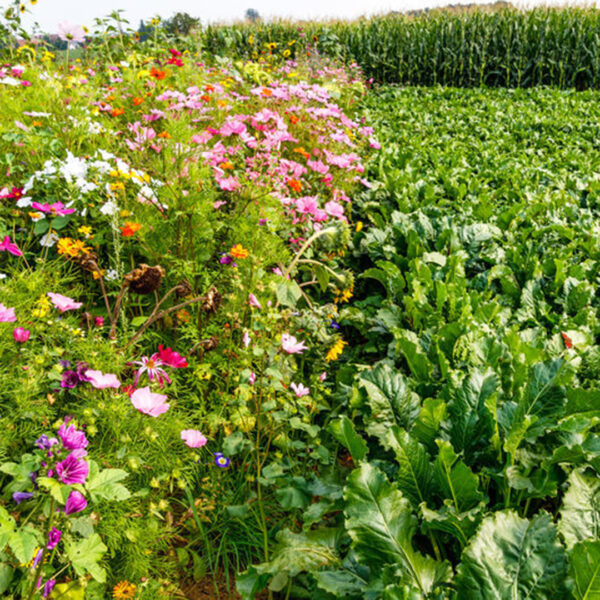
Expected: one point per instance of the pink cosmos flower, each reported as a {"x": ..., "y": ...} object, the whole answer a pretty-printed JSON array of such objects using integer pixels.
[
  {"x": 154, "y": 367},
  {"x": 7, "y": 315},
  {"x": 229, "y": 184},
  {"x": 300, "y": 389},
  {"x": 252, "y": 378},
  {"x": 291, "y": 345},
  {"x": 334, "y": 209},
  {"x": 71, "y": 33},
  {"x": 102, "y": 380},
  {"x": 193, "y": 438},
  {"x": 307, "y": 205},
  {"x": 58, "y": 208},
  {"x": 253, "y": 301},
  {"x": 171, "y": 358},
  {"x": 21, "y": 335},
  {"x": 63, "y": 303},
  {"x": 323, "y": 376},
  {"x": 8, "y": 246},
  {"x": 149, "y": 403}
]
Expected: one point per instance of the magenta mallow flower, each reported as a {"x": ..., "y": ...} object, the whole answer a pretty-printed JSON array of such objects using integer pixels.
[
  {"x": 72, "y": 438},
  {"x": 63, "y": 303},
  {"x": 73, "y": 469},
  {"x": 193, "y": 438},
  {"x": 253, "y": 301},
  {"x": 300, "y": 389},
  {"x": 221, "y": 461},
  {"x": 7, "y": 315},
  {"x": 102, "y": 380},
  {"x": 291, "y": 345},
  {"x": 149, "y": 403},
  {"x": 48, "y": 587},
  {"x": 76, "y": 502},
  {"x": 7, "y": 246},
  {"x": 54, "y": 536},
  {"x": 21, "y": 335}
]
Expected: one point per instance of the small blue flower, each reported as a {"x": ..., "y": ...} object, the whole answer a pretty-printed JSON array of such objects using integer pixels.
[
  {"x": 18, "y": 497},
  {"x": 334, "y": 325},
  {"x": 220, "y": 460}
]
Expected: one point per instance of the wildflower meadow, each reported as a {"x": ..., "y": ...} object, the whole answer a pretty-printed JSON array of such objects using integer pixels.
[{"x": 272, "y": 329}]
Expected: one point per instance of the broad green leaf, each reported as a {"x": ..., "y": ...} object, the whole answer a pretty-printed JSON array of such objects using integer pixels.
[
  {"x": 458, "y": 483},
  {"x": 6, "y": 576},
  {"x": 106, "y": 485},
  {"x": 85, "y": 554},
  {"x": 584, "y": 568},
  {"x": 417, "y": 361},
  {"x": 288, "y": 293},
  {"x": 470, "y": 424},
  {"x": 390, "y": 399},
  {"x": 415, "y": 477},
  {"x": 23, "y": 542},
  {"x": 512, "y": 558},
  {"x": 343, "y": 431},
  {"x": 542, "y": 403},
  {"x": 300, "y": 552},
  {"x": 580, "y": 511},
  {"x": 428, "y": 423},
  {"x": 461, "y": 526},
  {"x": 381, "y": 524}
]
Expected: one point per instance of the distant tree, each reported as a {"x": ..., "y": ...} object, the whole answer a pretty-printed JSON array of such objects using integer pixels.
[
  {"x": 252, "y": 15},
  {"x": 181, "y": 24}
]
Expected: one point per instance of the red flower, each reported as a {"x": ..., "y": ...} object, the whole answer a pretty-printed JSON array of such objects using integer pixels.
[
  {"x": 171, "y": 358},
  {"x": 568, "y": 341}
]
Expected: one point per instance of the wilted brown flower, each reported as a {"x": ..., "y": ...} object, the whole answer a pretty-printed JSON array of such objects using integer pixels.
[{"x": 144, "y": 279}]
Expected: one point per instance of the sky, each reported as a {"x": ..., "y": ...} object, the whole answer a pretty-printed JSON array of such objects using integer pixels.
[{"x": 48, "y": 13}]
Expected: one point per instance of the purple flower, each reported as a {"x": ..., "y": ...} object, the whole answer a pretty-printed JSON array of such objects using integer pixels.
[
  {"x": 75, "y": 503},
  {"x": 82, "y": 367},
  {"x": 48, "y": 586},
  {"x": 72, "y": 470},
  {"x": 334, "y": 325},
  {"x": 227, "y": 260},
  {"x": 221, "y": 461},
  {"x": 70, "y": 379},
  {"x": 53, "y": 538},
  {"x": 45, "y": 443},
  {"x": 38, "y": 557},
  {"x": 65, "y": 364},
  {"x": 72, "y": 438},
  {"x": 18, "y": 497}
]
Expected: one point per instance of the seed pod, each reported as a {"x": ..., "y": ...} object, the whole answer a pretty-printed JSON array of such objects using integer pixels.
[
  {"x": 212, "y": 301},
  {"x": 144, "y": 279}
]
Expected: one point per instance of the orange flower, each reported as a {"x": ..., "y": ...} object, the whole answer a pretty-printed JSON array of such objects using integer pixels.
[
  {"x": 266, "y": 92},
  {"x": 209, "y": 88},
  {"x": 157, "y": 73},
  {"x": 137, "y": 101},
  {"x": 238, "y": 251},
  {"x": 124, "y": 590},
  {"x": 205, "y": 97},
  {"x": 226, "y": 165},
  {"x": 117, "y": 112},
  {"x": 295, "y": 185},
  {"x": 294, "y": 119},
  {"x": 302, "y": 151},
  {"x": 164, "y": 134},
  {"x": 130, "y": 228}
]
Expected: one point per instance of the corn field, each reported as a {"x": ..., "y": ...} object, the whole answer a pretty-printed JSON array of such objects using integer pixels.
[{"x": 505, "y": 48}]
